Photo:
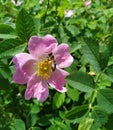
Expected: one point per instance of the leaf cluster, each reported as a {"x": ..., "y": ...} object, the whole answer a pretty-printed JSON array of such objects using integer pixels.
[{"x": 88, "y": 103}]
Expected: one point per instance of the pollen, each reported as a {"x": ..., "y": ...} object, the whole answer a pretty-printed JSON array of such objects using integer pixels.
[{"x": 44, "y": 69}]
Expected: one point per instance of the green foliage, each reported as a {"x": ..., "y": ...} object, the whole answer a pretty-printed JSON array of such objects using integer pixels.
[
  {"x": 105, "y": 97},
  {"x": 25, "y": 25},
  {"x": 10, "y": 47},
  {"x": 85, "y": 124},
  {"x": 88, "y": 102},
  {"x": 91, "y": 51},
  {"x": 100, "y": 117},
  {"x": 4, "y": 84},
  {"x": 81, "y": 81},
  {"x": 19, "y": 124},
  {"x": 77, "y": 112},
  {"x": 58, "y": 100},
  {"x": 109, "y": 72},
  {"x": 7, "y": 31},
  {"x": 73, "y": 94}
]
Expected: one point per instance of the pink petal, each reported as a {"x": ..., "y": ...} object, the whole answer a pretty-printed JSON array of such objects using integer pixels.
[
  {"x": 39, "y": 46},
  {"x": 57, "y": 80},
  {"x": 29, "y": 68},
  {"x": 62, "y": 56},
  {"x": 37, "y": 88},
  {"x": 19, "y": 77},
  {"x": 20, "y": 60}
]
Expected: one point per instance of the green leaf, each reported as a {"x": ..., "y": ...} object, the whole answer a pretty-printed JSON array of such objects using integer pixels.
[
  {"x": 105, "y": 99},
  {"x": 73, "y": 94},
  {"x": 97, "y": 59},
  {"x": 110, "y": 45},
  {"x": 77, "y": 112},
  {"x": 109, "y": 124},
  {"x": 7, "y": 36},
  {"x": 36, "y": 128},
  {"x": 19, "y": 124},
  {"x": 73, "y": 30},
  {"x": 34, "y": 119},
  {"x": 25, "y": 25},
  {"x": 104, "y": 81},
  {"x": 85, "y": 124},
  {"x": 35, "y": 109},
  {"x": 91, "y": 51},
  {"x": 5, "y": 71},
  {"x": 81, "y": 81},
  {"x": 58, "y": 100},
  {"x": 7, "y": 32},
  {"x": 6, "y": 29},
  {"x": 100, "y": 117},
  {"x": 52, "y": 128},
  {"x": 74, "y": 47},
  {"x": 109, "y": 72},
  {"x": 10, "y": 47},
  {"x": 92, "y": 24},
  {"x": 103, "y": 58},
  {"x": 45, "y": 120},
  {"x": 60, "y": 125},
  {"x": 108, "y": 12}
]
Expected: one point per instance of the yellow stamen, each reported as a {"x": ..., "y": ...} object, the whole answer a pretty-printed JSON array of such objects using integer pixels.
[{"x": 44, "y": 69}]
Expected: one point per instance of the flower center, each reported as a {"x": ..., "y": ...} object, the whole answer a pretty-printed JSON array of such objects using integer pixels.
[{"x": 45, "y": 68}]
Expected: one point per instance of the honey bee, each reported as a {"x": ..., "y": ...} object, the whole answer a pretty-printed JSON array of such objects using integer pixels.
[{"x": 51, "y": 58}]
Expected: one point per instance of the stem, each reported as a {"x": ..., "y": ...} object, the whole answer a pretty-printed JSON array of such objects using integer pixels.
[
  {"x": 94, "y": 93},
  {"x": 98, "y": 77},
  {"x": 93, "y": 96}
]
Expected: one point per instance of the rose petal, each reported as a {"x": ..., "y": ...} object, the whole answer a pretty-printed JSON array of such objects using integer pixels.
[
  {"x": 20, "y": 60},
  {"x": 57, "y": 80},
  {"x": 39, "y": 46},
  {"x": 62, "y": 56},
  {"x": 29, "y": 68},
  {"x": 37, "y": 88},
  {"x": 19, "y": 77}
]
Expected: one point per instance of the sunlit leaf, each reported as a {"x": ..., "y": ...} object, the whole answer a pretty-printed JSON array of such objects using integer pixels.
[
  {"x": 25, "y": 25},
  {"x": 19, "y": 124},
  {"x": 73, "y": 94},
  {"x": 35, "y": 109},
  {"x": 85, "y": 124},
  {"x": 7, "y": 36},
  {"x": 58, "y": 100},
  {"x": 10, "y": 47},
  {"x": 7, "y": 32},
  {"x": 6, "y": 29},
  {"x": 60, "y": 125},
  {"x": 81, "y": 81}
]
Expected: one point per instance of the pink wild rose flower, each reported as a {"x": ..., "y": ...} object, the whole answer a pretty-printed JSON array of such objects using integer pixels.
[{"x": 42, "y": 66}]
